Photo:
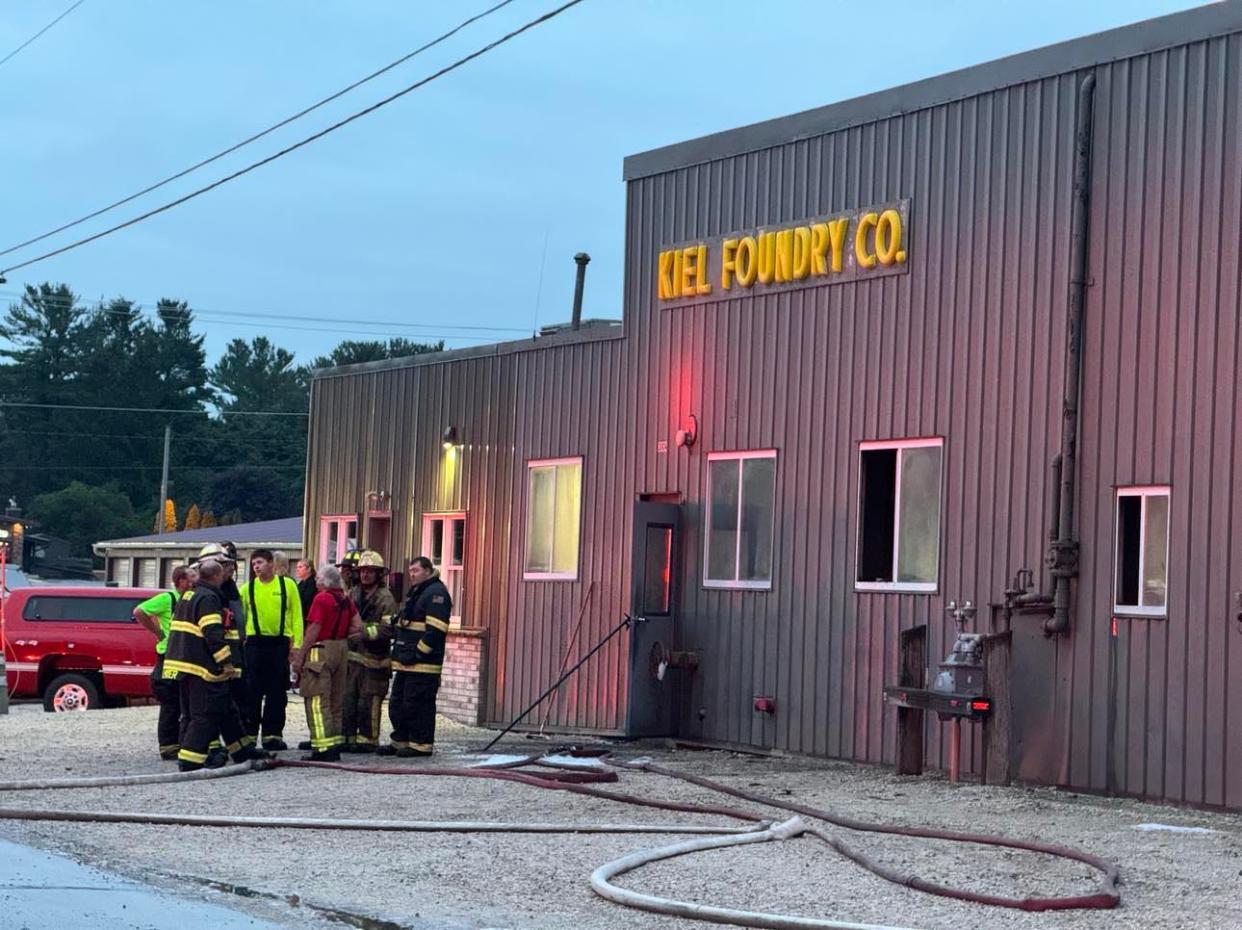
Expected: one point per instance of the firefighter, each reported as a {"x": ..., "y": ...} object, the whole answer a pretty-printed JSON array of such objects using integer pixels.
[
  {"x": 155, "y": 615},
  {"x": 321, "y": 662},
  {"x": 198, "y": 657},
  {"x": 366, "y": 683},
  {"x": 349, "y": 579},
  {"x": 417, "y": 657},
  {"x": 273, "y": 630},
  {"x": 226, "y": 554},
  {"x": 348, "y": 566}
]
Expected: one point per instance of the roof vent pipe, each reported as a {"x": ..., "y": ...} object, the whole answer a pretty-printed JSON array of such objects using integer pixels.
[
  {"x": 581, "y": 258},
  {"x": 1064, "y": 551}
]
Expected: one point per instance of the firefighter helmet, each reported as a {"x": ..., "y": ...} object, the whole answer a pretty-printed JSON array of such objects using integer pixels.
[
  {"x": 369, "y": 558},
  {"x": 215, "y": 551},
  {"x": 350, "y": 559}
]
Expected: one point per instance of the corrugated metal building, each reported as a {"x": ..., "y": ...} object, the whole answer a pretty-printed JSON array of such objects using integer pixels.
[{"x": 832, "y": 408}]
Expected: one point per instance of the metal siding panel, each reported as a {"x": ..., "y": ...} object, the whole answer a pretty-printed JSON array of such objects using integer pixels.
[{"x": 1226, "y": 188}]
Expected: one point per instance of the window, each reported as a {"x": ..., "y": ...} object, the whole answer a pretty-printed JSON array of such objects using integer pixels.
[
  {"x": 337, "y": 535},
  {"x": 553, "y": 518},
  {"x": 899, "y": 515},
  {"x": 101, "y": 609},
  {"x": 741, "y": 504},
  {"x": 1141, "y": 587},
  {"x": 657, "y": 580},
  {"x": 444, "y": 542}
]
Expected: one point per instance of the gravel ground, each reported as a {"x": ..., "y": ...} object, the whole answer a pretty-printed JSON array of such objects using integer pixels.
[{"x": 330, "y": 879}]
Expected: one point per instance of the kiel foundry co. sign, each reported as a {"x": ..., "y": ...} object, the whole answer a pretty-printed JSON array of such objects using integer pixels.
[{"x": 867, "y": 243}]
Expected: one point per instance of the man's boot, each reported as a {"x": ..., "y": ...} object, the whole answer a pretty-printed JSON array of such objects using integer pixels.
[
  {"x": 250, "y": 753},
  {"x": 386, "y": 750},
  {"x": 328, "y": 755}
]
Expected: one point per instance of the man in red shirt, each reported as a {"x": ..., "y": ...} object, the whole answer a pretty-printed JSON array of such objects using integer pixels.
[{"x": 321, "y": 663}]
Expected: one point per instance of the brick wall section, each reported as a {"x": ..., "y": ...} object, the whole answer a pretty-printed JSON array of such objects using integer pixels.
[{"x": 461, "y": 690}]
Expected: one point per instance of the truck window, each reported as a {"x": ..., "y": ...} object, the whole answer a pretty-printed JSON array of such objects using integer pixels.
[{"x": 95, "y": 609}]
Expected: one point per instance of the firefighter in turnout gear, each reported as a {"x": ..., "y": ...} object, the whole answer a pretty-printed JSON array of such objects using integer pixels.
[
  {"x": 366, "y": 681},
  {"x": 321, "y": 664},
  {"x": 417, "y": 657},
  {"x": 349, "y": 570},
  {"x": 198, "y": 657},
  {"x": 226, "y": 554},
  {"x": 155, "y": 614}
]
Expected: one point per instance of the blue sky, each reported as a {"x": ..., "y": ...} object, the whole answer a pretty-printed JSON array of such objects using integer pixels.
[{"x": 461, "y": 204}]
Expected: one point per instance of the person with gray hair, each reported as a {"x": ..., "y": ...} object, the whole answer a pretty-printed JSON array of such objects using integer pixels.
[{"x": 320, "y": 663}]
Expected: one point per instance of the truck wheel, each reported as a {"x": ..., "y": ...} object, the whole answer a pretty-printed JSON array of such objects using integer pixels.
[{"x": 71, "y": 692}]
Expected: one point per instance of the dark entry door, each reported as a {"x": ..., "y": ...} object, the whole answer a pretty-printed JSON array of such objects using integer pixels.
[{"x": 653, "y": 597}]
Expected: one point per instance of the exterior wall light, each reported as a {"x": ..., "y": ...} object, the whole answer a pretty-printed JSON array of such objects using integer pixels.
[{"x": 688, "y": 433}]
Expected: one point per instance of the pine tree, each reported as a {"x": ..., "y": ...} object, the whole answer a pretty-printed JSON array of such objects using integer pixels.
[
  {"x": 208, "y": 520},
  {"x": 193, "y": 519}
]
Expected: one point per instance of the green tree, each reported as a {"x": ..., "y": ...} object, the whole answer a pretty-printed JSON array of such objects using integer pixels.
[
  {"x": 83, "y": 514},
  {"x": 45, "y": 351},
  {"x": 353, "y": 351},
  {"x": 260, "y": 459},
  {"x": 258, "y": 375},
  {"x": 248, "y": 493}
]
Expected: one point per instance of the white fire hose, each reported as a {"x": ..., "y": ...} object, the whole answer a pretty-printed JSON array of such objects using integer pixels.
[{"x": 601, "y": 885}]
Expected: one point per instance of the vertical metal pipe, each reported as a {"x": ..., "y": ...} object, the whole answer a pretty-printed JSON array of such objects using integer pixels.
[
  {"x": 1065, "y": 549},
  {"x": 955, "y": 749},
  {"x": 1054, "y": 501},
  {"x": 581, "y": 258},
  {"x": 164, "y": 480}
]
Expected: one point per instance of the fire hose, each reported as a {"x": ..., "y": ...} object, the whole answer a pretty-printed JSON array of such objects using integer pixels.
[
  {"x": 323, "y": 823},
  {"x": 602, "y": 886},
  {"x": 573, "y": 779},
  {"x": 111, "y": 781},
  {"x": 1107, "y": 897}
]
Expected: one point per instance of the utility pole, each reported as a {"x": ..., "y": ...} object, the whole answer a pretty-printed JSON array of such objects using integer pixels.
[{"x": 164, "y": 479}]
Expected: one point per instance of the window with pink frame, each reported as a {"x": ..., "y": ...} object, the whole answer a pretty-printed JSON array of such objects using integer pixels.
[{"x": 338, "y": 533}]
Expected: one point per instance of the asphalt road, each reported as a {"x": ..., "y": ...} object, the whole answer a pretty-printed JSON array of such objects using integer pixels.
[{"x": 40, "y": 891}]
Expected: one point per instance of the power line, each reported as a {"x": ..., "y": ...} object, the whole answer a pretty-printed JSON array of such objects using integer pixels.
[
  {"x": 41, "y": 31},
  {"x": 477, "y": 333},
  {"x": 270, "y": 314},
  {"x": 235, "y": 413},
  {"x": 222, "y": 465},
  {"x": 297, "y": 145},
  {"x": 77, "y": 435},
  {"x": 258, "y": 135}
]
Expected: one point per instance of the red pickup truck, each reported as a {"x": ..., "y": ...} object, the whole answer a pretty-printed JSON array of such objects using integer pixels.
[{"x": 77, "y": 648}]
